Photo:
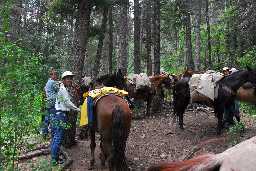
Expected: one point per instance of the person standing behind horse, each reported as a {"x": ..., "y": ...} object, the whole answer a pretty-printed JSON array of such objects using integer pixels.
[
  {"x": 231, "y": 110},
  {"x": 63, "y": 105},
  {"x": 51, "y": 89},
  {"x": 236, "y": 110}
]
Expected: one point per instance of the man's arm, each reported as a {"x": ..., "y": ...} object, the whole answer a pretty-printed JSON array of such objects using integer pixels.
[{"x": 65, "y": 99}]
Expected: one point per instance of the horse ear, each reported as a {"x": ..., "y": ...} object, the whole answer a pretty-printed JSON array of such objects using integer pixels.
[{"x": 248, "y": 68}]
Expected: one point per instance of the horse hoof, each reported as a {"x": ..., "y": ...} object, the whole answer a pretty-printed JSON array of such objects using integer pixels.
[
  {"x": 91, "y": 168},
  {"x": 218, "y": 132}
]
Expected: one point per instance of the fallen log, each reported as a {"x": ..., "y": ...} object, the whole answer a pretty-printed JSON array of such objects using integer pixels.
[
  {"x": 46, "y": 151},
  {"x": 39, "y": 147},
  {"x": 33, "y": 154}
]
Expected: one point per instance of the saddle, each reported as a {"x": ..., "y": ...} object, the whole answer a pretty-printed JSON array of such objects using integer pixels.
[
  {"x": 96, "y": 95},
  {"x": 205, "y": 84}
]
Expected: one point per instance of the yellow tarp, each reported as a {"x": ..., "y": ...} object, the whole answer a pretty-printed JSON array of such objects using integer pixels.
[
  {"x": 97, "y": 93},
  {"x": 104, "y": 91},
  {"x": 84, "y": 117}
]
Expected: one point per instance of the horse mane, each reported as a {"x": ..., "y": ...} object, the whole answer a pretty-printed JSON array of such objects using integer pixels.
[
  {"x": 112, "y": 80},
  {"x": 232, "y": 79}
]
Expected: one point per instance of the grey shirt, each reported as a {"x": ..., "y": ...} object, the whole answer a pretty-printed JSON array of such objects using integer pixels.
[{"x": 51, "y": 89}]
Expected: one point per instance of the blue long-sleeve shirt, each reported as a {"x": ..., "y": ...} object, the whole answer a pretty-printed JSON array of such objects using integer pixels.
[{"x": 51, "y": 89}]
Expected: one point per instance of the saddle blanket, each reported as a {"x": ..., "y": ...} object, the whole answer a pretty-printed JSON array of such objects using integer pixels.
[
  {"x": 97, "y": 94},
  {"x": 205, "y": 83}
]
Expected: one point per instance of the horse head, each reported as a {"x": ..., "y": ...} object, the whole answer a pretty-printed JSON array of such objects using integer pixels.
[
  {"x": 168, "y": 81},
  {"x": 120, "y": 80},
  {"x": 112, "y": 80}
]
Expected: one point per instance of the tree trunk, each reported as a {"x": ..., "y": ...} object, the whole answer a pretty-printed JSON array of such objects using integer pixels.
[
  {"x": 123, "y": 63},
  {"x": 148, "y": 37},
  {"x": 176, "y": 38},
  {"x": 188, "y": 44},
  {"x": 209, "y": 49},
  {"x": 218, "y": 46},
  {"x": 156, "y": 33},
  {"x": 137, "y": 23},
  {"x": 83, "y": 20},
  {"x": 81, "y": 38},
  {"x": 15, "y": 20},
  {"x": 197, "y": 35},
  {"x": 233, "y": 38},
  {"x": 100, "y": 42},
  {"x": 110, "y": 46}
]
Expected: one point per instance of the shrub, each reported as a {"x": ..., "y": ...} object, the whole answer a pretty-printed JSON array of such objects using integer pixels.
[{"x": 21, "y": 99}]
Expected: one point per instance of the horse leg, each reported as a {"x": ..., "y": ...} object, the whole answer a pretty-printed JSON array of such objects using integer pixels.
[
  {"x": 105, "y": 146},
  {"x": 106, "y": 151},
  {"x": 180, "y": 115},
  {"x": 102, "y": 155},
  {"x": 180, "y": 109},
  {"x": 92, "y": 146},
  {"x": 219, "y": 110},
  {"x": 219, "y": 106},
  {"x": 149, "y": 100},
  {"x": 220, "y": 122}
]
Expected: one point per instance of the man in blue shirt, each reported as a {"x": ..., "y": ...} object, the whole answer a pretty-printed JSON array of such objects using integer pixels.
[{"x": 51, "y": 89}]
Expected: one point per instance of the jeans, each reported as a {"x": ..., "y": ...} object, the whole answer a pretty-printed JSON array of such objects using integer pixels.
[
  {"x": 46, "y": 120},
  {"x": 231, "y": 111},
  {"x": 58, "y": 124}
]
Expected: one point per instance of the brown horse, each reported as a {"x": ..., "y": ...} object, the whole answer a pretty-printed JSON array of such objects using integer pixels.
[
  {"x": 113, "y": 121},
  {"x": 146, "y": 93},
  {"x": 247, "y": 93}
]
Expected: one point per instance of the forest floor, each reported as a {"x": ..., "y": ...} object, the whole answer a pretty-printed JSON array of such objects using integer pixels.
[{"x": 157, "y": 139}]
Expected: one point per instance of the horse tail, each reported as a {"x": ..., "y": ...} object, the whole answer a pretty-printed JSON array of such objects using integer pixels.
[{"x": 120, "y": 134}]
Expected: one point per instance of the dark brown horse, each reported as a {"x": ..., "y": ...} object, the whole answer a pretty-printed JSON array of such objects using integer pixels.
[
  {"x": 112, "y": 121},
  {"x": 227, "y": 92}
]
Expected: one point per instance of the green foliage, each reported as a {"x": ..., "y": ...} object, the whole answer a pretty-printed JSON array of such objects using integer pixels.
[
  {"x": 170, "y": 64},
  {"x": 62, "y": 7},
  {"x": 44, "y": 165},
  {"x": 173, "y": 63},
  {"x": 239, "y": 128},
  {"x": 248, "y": 109},
  {"x": 21, "y": 98},
  {"x": 5, "y": 12},
  {"x": 248, "y": 59},
  {"x": 235, "y": 132}
]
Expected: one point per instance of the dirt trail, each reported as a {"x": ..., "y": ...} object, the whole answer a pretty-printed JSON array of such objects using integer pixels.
[{"x": 156, "y": 139}]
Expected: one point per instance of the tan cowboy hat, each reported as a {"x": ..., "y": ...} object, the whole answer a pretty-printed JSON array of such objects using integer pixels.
[{"x": 67, "y": 73}]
